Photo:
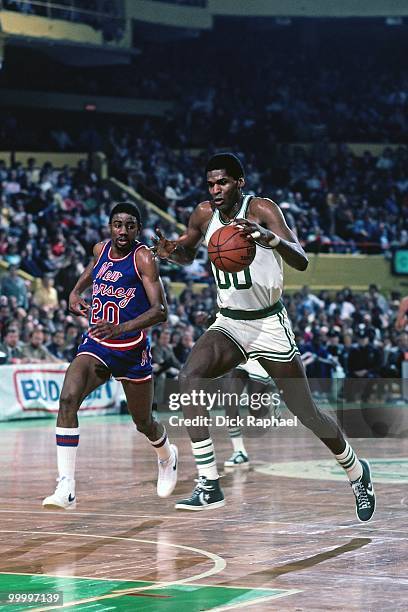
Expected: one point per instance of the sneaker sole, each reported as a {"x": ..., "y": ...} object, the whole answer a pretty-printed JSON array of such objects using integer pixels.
[
  {"x": 234, "y": 466},
  {"x": 212, "y": 506},
  {"x": 167, "y": 494},
  {"x": 52, "y": 506},
  {"x": 375, "y": 504}
]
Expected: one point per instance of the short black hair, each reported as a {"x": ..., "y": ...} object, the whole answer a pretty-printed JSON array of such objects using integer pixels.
[
  {"x": 126, "y": 207},
  {"x": 228, "y": 162}
]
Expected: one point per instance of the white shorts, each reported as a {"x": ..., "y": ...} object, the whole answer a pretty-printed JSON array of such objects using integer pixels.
[
  {"x": 268, "y": 338},
  {"x": 255, "y": 371}
]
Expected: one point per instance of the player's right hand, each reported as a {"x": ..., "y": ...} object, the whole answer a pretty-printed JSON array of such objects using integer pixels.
[
  {"x": 163, "y": 248},
  {"x": 77, "y": 305}
]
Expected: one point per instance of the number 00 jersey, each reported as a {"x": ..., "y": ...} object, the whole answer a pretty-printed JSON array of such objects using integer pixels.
[
  {"x": 118, "y": 294},
  {"x": 259, "y": 286}
]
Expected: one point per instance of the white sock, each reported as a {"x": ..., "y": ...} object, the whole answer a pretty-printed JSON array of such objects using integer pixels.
[
  {"x": 350, "y": 463},
  {"x": 236, "y": 439},
  {"x": 67, "y": 446},
  {"x": 204, "y": 456},
  {"x": 162, "y": 447}
]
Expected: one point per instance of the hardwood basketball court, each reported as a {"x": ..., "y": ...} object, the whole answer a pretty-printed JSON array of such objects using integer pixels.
[{"x": 287, "y": 539}]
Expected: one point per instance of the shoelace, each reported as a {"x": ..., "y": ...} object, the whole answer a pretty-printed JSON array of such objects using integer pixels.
[
  {"x": 237, "y": 457},
  {"x": 361, "y": 495},
  {"x": 201, "y": 486}
]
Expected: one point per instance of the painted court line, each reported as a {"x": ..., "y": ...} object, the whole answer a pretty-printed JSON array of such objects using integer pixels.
[
  {"x": 174, "y": 517},
  {"x": 219, "y": 565},
  {"x": 213, "y": 586},
  {"x": 322, "y": 526},
  {"x": 258, "y": 600}
]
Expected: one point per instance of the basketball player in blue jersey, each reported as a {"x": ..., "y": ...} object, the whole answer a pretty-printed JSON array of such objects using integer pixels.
[
  {"x": 127, "y": 298},
  {"x": 252, "y": 323}
]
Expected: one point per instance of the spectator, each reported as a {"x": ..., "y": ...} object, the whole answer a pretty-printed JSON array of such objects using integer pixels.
[
  {"x": 13, "y": 285},
  {"x": 11, "y": 347},
  {"x": 165, "y": 364},
  {"x": 184, "y": 346},
  {"x": 46, "y": 296},
  {"x": 364, "y": 362},
  {"x": 35, "y": 351},
  {"x": 57, "y": 346}
]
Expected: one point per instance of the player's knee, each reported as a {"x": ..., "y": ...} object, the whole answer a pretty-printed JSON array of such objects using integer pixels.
[
  {"x": 69, "y": 403},
  {"x": 188, "y": 373}
]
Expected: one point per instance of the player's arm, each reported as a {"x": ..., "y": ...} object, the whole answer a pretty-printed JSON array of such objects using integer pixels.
[
  {"x": 184, "y": 249},
  {"x": 157, "y": 313},
  {"x": 402, "y": 314},
  {"x": 77, "y": 304},
  {"x": 271, "y": 229}
]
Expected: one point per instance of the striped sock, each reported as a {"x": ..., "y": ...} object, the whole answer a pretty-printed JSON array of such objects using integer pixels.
[
  {"x": 67, "y": 445},
  {"x": 237, "y": 439},
  {"x": 349, "y": 462},
  {"x": 162, "y": 447},
  {"x": 205, "y": 458}
]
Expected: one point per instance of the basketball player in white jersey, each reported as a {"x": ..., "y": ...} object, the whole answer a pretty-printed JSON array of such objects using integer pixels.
[{"x": 252, "y": 323}]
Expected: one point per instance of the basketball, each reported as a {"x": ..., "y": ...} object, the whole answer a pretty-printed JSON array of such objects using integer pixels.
[{"x": 230, "y": 250}]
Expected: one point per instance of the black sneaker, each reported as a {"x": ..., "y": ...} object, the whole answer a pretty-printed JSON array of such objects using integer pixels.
[
  {"x": 364, "y": 493},
  {"x": 206, "y": 496}
]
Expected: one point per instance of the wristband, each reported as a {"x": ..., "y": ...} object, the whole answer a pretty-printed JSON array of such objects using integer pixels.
[{"x": 273, "y": 242}]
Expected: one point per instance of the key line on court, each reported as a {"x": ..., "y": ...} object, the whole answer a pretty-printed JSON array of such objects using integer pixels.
[{"x": 219, "y": 565}]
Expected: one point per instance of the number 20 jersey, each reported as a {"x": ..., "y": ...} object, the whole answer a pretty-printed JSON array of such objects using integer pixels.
[
  {"x": 257, "y": 287},
  {"x": 118, "y": 294}
]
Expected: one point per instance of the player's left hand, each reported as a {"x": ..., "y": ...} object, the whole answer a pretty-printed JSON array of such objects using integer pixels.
[
  {"x": 256, "y": 231},
  {"x": 104, "y": 330}
]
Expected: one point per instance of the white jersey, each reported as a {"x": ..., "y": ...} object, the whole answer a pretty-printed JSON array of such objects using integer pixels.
[{"x": 257, "y": 287}]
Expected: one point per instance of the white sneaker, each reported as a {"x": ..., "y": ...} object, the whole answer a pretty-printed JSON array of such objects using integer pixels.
[
  {"x": 64, "y": 496},
  {"x": 167, "y": 478},
  {"x": 238, "y": 459}
]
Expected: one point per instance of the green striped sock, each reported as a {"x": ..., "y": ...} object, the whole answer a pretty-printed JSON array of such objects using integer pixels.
[
  {"x": 205, "y": 458},
  {"x": 237, "y": 439},
  {"x": 350, "y": 463}
]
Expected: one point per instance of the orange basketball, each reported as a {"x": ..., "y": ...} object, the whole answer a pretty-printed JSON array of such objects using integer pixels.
[{"x": 230, "y": 250}]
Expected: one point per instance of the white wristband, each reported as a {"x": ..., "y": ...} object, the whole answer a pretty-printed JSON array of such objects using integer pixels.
[{"x": 274, "y": 241}]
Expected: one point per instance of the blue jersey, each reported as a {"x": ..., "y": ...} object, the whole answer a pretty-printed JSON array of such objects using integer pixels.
[{"x": 118, "y": 294}]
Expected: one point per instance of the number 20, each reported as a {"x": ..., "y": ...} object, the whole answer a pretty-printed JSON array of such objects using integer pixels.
[{"x": 110, "y": 312}]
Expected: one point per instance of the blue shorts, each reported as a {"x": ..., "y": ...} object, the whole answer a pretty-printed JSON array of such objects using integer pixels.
[{"x": 128, "y": 359}]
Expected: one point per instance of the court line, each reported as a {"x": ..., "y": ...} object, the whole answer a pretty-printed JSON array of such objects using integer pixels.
[
  {"x": 258, "y": 600},
  {"x": 90, "y": 513},
  {"x": 322, "y": 527},
  {"x": 193, "y": 517},
  {"x": 215, "y": 586},
  {"x": 219, "y": 565}
]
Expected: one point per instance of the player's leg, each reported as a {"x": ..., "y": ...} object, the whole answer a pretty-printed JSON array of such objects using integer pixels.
[
  {"x": 85, "y": 374},
  {"x": 213, "y": 355},
  {"x": 237, "y": 380},
  {"x": 139, "y": 396},
  {"x": 293, "y": 384}
]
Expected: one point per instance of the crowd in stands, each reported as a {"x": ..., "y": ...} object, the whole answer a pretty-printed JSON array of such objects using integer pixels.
[
  {"x": 309, "y": 85},
  {"x": 343, "y": 334},
  {"x": 50, "y": 219},
  {"x": 336, "y": 201},
  {"x": 339, "y": 202}
]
